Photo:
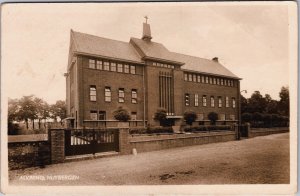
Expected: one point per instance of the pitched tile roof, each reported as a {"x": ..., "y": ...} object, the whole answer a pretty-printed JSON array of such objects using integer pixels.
[
  {"x": 137, "y": 49},
  {"x": 94, "y": 45},
  {"x": 198, "y": 64},
  {"x": 154, "y": 50}
]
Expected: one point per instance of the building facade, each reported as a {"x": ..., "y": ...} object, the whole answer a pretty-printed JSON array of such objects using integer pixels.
[{"x": 142, "y": 76}]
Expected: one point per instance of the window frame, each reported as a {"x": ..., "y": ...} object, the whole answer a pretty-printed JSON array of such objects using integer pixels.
[
  {"x": 93, "y": 93},
  {"x": 212, "y": 101},
  {"x": 94, "y": 63},
  {"x": 187, "y": 99},
  {"x": 196, "y": 100},
  {"x": 134, "y": 98},
  {"x": 204, "y": 100},
  {"x": 107, "y": 94},
  {"x": 121, "y": 95}
]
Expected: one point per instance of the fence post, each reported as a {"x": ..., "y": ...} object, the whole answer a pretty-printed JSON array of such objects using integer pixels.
[
  {"x": 57, "y": 145},
  {"x": 124, "y": 146},
  {"x": 248, "y": 130}
]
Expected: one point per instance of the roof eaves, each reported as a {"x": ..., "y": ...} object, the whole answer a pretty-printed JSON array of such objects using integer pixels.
[
  {"x": 163, "y": 60},
  {"x": 107, "y": 57},
  {"x": 212, "y": 74}
]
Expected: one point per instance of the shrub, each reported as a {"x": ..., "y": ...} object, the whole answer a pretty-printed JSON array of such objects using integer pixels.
[
  {"x": 13, "y": 129},
  {"x": 246, "y": 117},
  {"x": 161, "y": 116},
  {"x": 121, "y": 115},
  {"x": 207, "y": 128},
  {"x": 189, "y": 117},
  {"x": 151, "y": 130},
  {"x": 213, "y": 117}
]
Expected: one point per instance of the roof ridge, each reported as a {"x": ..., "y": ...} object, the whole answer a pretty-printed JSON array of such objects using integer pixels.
[{"x": 195, "y": 57}]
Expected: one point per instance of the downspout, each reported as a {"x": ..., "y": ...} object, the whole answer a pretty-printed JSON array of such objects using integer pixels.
[{"x": 144, "y": 105}]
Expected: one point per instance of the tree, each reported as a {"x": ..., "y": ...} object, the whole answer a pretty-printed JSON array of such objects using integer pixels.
[
  {"x": 244, "y": 104},
  {"x": 58, "y": 110},
  {"x": 13, "y": 110},
  {"x": 246, "y": 117},
  {"x": 161, "y": 116},
  {"x": 284, "y": 102},
  {"x": 256, "y": 103},
  {"x": 189, "y": 117},
  {"x": 213, "y": 117},
  {"x": 42, "y": 110},
  {"x": 121, "y": 115},
  {"x": 28, "y": 109}
]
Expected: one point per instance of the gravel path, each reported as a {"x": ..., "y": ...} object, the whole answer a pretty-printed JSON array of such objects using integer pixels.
[{"x": 260, "y": 160}]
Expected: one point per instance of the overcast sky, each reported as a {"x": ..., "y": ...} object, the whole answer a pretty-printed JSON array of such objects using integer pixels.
[{"x": 250, "y": 40}]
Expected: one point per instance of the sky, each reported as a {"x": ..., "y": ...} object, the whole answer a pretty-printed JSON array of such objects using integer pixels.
[{"x": 250, "y": 40}]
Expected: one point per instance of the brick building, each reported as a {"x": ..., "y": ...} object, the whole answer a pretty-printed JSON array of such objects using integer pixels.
[{"x": 142, "y": 76}]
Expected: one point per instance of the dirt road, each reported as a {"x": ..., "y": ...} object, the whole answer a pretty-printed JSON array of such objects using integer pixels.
[{"x": 261, "y": 160}]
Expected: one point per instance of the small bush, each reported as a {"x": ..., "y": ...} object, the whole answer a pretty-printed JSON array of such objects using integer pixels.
[
  {"x": 161, "y": 116},
  {"x": 121, "y": 115},
  {"x": 207, "y": 128},
  {"x": 189, "y": 117},
  {"x": 213, "y": 117},
  {"x": 151, "y": 130},
  {"x": 246, "y": 117}
]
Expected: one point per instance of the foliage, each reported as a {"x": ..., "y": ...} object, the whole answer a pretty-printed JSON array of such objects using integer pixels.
[
  {"x": 58, "y": 110},
  {"x": 208, "y": 128},
  {"x": 213, "y": 117},
  {"x": 246, "y": 117},
  {"x": 161, "y": 116},
  {"x": 189, "y": 117},
  {"x": 151, "y": 130},
  {"x": 121, "y": 115},
  {"x": 31, "y": 108},
  {"x": 284, "y": 102}
]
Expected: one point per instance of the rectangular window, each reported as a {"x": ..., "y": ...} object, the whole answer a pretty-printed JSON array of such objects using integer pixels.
[
  {"x": 133, "y": 96},
  {"x": 206, "y": 79},
  {"x": 93, "y": 93},
  {"x": 232, "y": 117},
  {"x": 99, "y": 65},
  {"x": 222, "y": 82},
  {"x": 133, "y": 116},
  {"x": 121, "y": 95},
  {"x": 185, "y": 77},
  {"x": 198, "y": 78},
  {"x": 107, "y": 94},
  {"x": 132, "y": 69},
  {"x": 214, "y": 81},
  {"x": 218, "y": 81},
  {"x": 92, "y": 63},
  {"x": 212, "y": 101},
  {"x": 196, "y": 100},
  {"x": 126, "y": 68},
  {"x": 190, "y": 77},
  {"x": 227, "y": 102},
  {"x": 187, "y": 99},
  {"x": 200, "y": 116},
  {"x": 210, "y": 80},
  {"x": 154, "y": 63},
  {"x": 120, "y": 67},
  {"x": 204, "y": 100},
  {"x": 194, "y": 78},
  {"x": 172, "y": 67},
  {"x": 222, "y": 116},
  {"x": 113, "y": 67},
  {"x": 233, "y": 102},
  {"x": 225, "y": 82},
  {"x": 102, "y": 115},
  {"x": 106, "y": 65},
  {"x": 202, "y": 79},
  {"x": 220, "y": 102},
  {"x": 93, "y": 115},
  {"x": 165, "y": 65}
]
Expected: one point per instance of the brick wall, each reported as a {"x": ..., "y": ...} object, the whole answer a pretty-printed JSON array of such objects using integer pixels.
[
  {"x": 57, "y": 145},
  {"x": 159, "y": 142}
]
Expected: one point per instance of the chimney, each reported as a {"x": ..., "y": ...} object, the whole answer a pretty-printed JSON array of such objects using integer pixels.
[
  {"x": 146, "y": 31},
  {"x": 216, "y": 59}
]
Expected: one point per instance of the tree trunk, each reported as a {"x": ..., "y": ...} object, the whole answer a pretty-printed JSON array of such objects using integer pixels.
[
  {"x": 39, "y": 123},
  {"x": 26, "y": 122},
  {"x": 32, "y": 124}
]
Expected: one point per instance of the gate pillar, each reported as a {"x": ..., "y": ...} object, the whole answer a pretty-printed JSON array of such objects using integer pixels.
[
  {"x": 124, "y": 145},
  {"x": 56, "y": 138}
]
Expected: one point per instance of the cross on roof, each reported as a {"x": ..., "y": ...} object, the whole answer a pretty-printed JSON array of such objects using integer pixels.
[{"x": 146, "y": 17}]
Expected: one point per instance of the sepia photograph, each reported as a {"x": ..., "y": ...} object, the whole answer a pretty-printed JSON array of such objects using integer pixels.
[{"x": 149, "y": 98}]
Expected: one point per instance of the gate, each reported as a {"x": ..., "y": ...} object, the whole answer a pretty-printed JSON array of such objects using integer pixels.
[{"x": 90, "y": 141}]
